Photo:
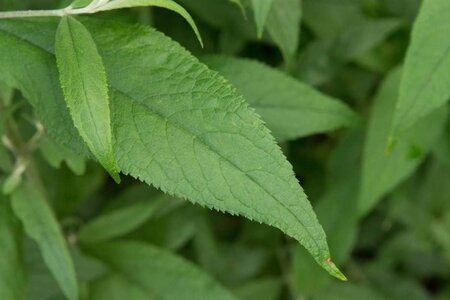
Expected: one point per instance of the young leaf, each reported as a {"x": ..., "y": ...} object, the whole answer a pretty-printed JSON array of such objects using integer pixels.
[
  {"x": 40, "y": 225},
  {"x": 425, "y": 83},
  {"x": 12, "y": 274},
  {"x": 160, "y": 273},
  {"x": 382, "y": 171},
  {"x": 117, "y": 223},
  {"x": 83, "y": 81},
  {"x": 168, "y": 4},
  {"x": 283, "y": 25},
  {"x": 261, "y": 9},
  {"x": 290, "y": 108},
  {"x": 178, "y": 126}
]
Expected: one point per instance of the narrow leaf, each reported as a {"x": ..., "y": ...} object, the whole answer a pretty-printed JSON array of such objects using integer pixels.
[
  {"x": 117, "y": 222},
  {"x": 261, "y": 9},
  {"x": 382, "y": 171},
  {"x": 40, "y": 225},
  {"x": 425, "y": 83},
  {"x": 12, "y": 273},
  {"x": 83, "y": 81},
  {"x": 291, "y": 109},
  {"x": 177, "y": 125},
  {"x": 159, "y": 272},
  {"x": 283, "y": 25},
  {"x": 168, "y": 4}
]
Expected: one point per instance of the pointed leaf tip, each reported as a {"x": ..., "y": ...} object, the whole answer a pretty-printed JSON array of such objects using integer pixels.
[{"x": 333, "y": 270}]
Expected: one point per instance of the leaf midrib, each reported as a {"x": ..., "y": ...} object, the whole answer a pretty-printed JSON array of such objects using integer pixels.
[{"x": 213, "y": 150}]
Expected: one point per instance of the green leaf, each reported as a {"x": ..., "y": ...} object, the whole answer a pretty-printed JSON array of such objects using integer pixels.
[
  {"x": 55, "y": 154},
  {"x": 117, "y": 222},
  {"x": 291, "y": 109},
  {"x": 168, "y": 4},
  {"x": 12, "y": 274},
  {"x": 177, "y": 125},
  {"x": 159, "y": 272},
  {"x": 117, "y": 287},
  {"x": 261, "y": 9},
  {"x": 323, "y": 58},
  {"x": 84, "y": 83},
  {"x": 81, "y": 3},
  {"x": 339, "y": 15},
  {"x": 283, "y": 25},
  {"x": 40, "y": 225},
  {"x": 425, "y": 83},
  {"x": 337, "y": 210},
  {"x": 382, "y": 171}
]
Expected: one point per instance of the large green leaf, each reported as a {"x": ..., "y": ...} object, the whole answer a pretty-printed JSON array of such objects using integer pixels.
[
  {"x": 169, "y": 4},
  {"x": 12, "y": 275},
  {"x": 160, "y": 273},
  {"x": 291, "y": 109},
  {"x": 382, "y": 171},
  {"x": 83, "y": 80},
  {"x": 261, "y": 9},
  {"x": 40, "y": 225},
  {"x": 425, "y": 84},
  {"x": 176, "y": 125}
]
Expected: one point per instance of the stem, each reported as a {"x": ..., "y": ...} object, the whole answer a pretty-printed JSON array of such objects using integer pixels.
[
  {"x": 93, "y": 7},
  {"x": 33, "y": 13}
]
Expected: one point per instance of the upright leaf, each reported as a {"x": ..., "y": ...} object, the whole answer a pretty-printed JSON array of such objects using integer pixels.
[
  {"x": 290, "y": 108},
  {"x": 425, "y": 83},
  {"x": 12, "y": 274},
  {"x": 40, "y": 225},
  {"x": 160, "y": 273},
  {"x": 169, "y": 4},
  {"x": 84, "y": 83},
  {"x": 283, "y": 25},
  {"x": 261, "y": 9},
  {"x": 382, "y": 171},
  {"x": 179, "y": 126}
]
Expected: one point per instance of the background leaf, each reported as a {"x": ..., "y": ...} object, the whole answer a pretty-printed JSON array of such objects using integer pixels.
[
  {"x": 159, "y": 272},
  {"x": 261, "y": 9},
  {"x": 12, "y": 273},
  {"x": 291, "y": 109},
  {"x": 383, "y": 171},
  {"x": 283, "y": 26},
  {"x": 169, "y": 4},
  {"x": 425, "y": 84},
  {"x": 40, "y": 225},
  {"x": 119, "y": 222}
]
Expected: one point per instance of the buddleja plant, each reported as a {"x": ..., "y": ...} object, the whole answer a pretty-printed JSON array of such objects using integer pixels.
[{"x": 139, "y": 104}]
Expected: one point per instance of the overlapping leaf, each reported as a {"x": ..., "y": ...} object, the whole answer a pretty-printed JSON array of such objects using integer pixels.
[{"x": 84, "y": 83}]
